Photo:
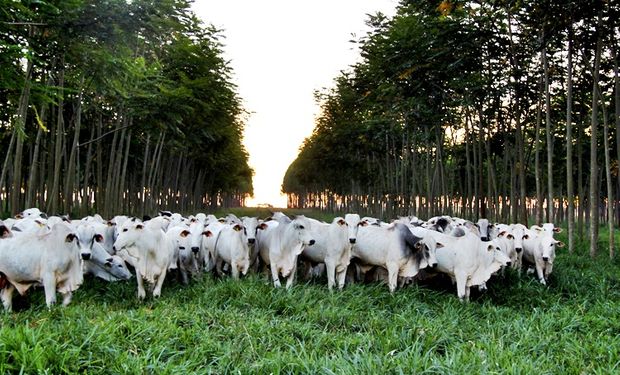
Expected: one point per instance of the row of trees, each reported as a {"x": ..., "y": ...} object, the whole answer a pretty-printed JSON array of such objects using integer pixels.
[
  {"x": 116, "y": 106},
  {"x": 502, "y": 109}
]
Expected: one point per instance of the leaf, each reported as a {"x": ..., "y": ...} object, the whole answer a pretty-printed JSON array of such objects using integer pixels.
[{"x": 39, "y": 121}]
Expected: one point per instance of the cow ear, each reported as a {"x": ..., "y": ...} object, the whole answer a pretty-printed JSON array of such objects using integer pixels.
[
  {"x": 139, "y": 226},
  {"x": 19, "y": 216},
  {"x": 527, "y": 236},
  {"x": 208, "y": 233},
  {"x": 557, "y": 230},
  {"x": 70, "y": 237},
  {"x": 185, "y": 233},
  {"x": 510, "y": 236},
  {"x": 98, "y": 238},
  {"x": 221, "y": 220},
  {"x": 341, "y": 222},
  {"x": 501, "y": 234},
  {"x": 4, "y": 231},
  {"x": 108, "y": 263},
  {"x": 262, "y": 226},
  {"x": 237, "y": 227},
  {"x": 363, "y": 223},
  {"x": 490, "y": 248},
  {"x": 439, "y": 245},
  {"x": 111, "y": 223},
  {"x": 559, "y": 244}
]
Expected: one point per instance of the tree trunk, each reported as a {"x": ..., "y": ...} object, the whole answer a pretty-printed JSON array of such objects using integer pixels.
[
  {"x": 549, "y": 132},
  {"x": 55, "y": 189},
  {"x": 70, "y": 177},
  {"x": 539, "y": 194},
  {"x": 610, "y": 195},
  {"x": 594, "y": 193},
  {"x": 569, "y": 144}
]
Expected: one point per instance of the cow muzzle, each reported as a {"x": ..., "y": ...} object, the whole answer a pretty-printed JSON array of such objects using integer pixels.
[
  {"x": 86, "y": 256},
  {"x": 518, "y": 249},
  {"x": 434, "y": 265},
  {"x": 251, "y": 240},
  {"x": 195, "y": 250},
  {"x": 311, "y": 242},
  {"x": 508, "y": 263},
  {"x": 484, "y": 238},
  {"x": 546, "y": 259},
  {"x": 352, "y": 240}
]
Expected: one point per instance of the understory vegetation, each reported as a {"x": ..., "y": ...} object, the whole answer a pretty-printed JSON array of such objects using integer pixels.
[{"x": 517, "y": 326}]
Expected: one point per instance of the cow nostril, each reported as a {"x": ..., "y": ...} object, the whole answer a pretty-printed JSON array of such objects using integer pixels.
[
  {"x": 545, "y": 258},
  {"x": 434, "y": 265},
  {"x": 311, "y": 242},
  {"x": 484, "y": 238},
  {"x": 518, "y": 249},
  {"x": 352, "y": 240},
  {"x": 251, "y": 240},
  {"x": 113, "y": 248},
  {"x": 195, "y": 250},
  {"x": 508, "y": 263},
  {"x": 85, "y": 256}
]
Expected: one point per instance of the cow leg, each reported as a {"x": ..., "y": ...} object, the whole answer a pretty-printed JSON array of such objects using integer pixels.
[
  {"x": 66, "y": 298},
  {"x": 183, "y": 273},
  {"x": 159, "y": 284},
  {"x": 291, "y": 276},
  {"x": 234, "y": 270},
  {"x": 540, "y": 272},
  {"x": 49, "y": 285},
  {"x": 392, "y": 276},
  {"x": 461, "y": 285},
  {"x": 141, "y": 291},
  {"x": 330, "y": 268},
  {"x": 219, "y": 267},
  {"x": 467, "y": 291},
  {"x": 341, "y": 277},
  {"x": 7, "y": 297},
  {"x": 274, "y": 275}
]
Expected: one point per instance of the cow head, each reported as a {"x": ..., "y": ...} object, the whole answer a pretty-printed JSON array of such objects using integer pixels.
[
  {"x": 353, "y": 222},
  {"x": 129, "y": 235},
  {"x": 251, "y": 227},
  {"x": 426, "y": 250},
  {"x": 87, "y": 237}
]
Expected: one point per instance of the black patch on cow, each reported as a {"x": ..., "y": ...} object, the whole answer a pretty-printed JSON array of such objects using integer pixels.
[
  {"x": 165, "y": 213},
  {"x": 4, "y": 231},
  {"x": 442, "y": 223},
  {"x": 146, "y": 218},
  {"x": 3, "y": 281}
]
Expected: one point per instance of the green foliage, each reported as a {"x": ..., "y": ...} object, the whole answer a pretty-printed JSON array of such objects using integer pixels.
[{"x": 218, "y": 326}]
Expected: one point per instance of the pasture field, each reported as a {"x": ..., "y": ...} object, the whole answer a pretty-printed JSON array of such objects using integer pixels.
[{"x": 247, "y": 326}]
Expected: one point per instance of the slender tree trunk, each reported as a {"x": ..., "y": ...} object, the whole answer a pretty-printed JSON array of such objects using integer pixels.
[
  {"x": 539, "y": 194},
  {"x": 19, "y": 130},
  {"x": 55, "y": 188},
  {"x": 594, "y": 193},
  {"x": 610, "y": 194},
  {"x": 569, "y": 144},
  {"x": 549, "y": 132},
  {"x": 70, "y": 177}
]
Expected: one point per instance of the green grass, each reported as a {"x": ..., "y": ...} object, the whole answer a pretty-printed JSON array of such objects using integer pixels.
[{"x": 221, "y": 326}]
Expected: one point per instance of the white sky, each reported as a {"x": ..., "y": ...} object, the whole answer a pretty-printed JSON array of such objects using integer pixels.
[{"x": 280, "y": 52}]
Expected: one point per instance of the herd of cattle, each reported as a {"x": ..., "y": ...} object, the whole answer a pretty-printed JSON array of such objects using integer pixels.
[{"x": 56, "y": 252}]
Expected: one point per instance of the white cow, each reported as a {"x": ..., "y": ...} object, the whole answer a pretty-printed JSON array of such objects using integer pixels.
[
  {"x": 31, "y": 213},
  {"x": 333, "y": 246},
  {"x": 231, "y": 247},
  {"x": 281, "y": 244},
  {"x": 51, "y": 259},
  {"x": 394, "y": 248},
  {"x": 150, "y": 252},
  {"x": 539, "y": 250},
  {"x": 252, "y": 226},
  {"x": 469, "y": 262}
]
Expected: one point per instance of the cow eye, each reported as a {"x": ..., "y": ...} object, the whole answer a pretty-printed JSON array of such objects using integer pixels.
[
  {"x": 301, "y": 227},
  {"x": 125, "y": 230}
]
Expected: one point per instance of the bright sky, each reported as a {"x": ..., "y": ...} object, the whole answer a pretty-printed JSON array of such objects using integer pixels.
[{"x": 281, "y": 51}]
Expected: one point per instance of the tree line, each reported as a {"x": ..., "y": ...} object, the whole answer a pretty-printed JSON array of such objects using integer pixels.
[
  {"x": 508, "y": 110},
  {"x": 116, "y": 106}
]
